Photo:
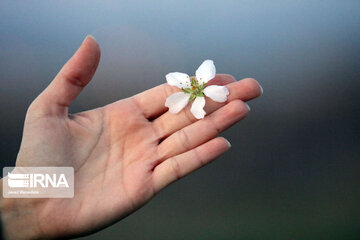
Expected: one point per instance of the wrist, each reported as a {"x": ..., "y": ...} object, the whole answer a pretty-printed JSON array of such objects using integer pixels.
[{"x": 18, "y": 218}]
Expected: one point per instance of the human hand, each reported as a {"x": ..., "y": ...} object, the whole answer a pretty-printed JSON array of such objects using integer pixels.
[{"x": 123, "y": 153}]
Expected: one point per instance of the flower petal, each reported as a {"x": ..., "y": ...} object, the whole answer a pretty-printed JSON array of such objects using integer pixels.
[
  {"x": 216, "y": 93},
  {"x": 180, "y": 80},
  {"x": 206, "y": 71},
  {"x": 177, "y": 101},
  {"x": 197, "y": 108}
]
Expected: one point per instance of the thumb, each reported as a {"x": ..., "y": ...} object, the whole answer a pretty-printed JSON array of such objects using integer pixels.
[{"x": 69, "y": 82}]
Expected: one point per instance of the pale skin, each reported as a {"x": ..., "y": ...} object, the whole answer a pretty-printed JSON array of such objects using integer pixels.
[{"x": 123, "y": 153}]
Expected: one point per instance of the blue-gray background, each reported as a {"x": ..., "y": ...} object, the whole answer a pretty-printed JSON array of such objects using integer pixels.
[{"x": 293, "y": 170}]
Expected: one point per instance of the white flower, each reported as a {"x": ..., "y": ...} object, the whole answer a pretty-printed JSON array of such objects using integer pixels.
[{"x": 194, "y": 88}]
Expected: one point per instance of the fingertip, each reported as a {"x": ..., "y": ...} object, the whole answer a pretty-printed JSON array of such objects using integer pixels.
[
  {"x": 248, "y": 88},
  {"x": 227, "y": 76},
  {"x": 254, "y": 86},
  {"x": 90, "y": 36},
  {"x": 89, "y": 48},
  {"x": 248, "y": 107},
  {"x": 219, "y": 146},
  {"x": 222, "y": 79},
  {"x": 92, "y": 45},
  {"x": 225, "y": 142},
  {"x": 237, "y": 109}
]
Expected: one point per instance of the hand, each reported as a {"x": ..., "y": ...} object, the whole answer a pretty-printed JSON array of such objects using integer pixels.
[{"x": 123, "y": 153}]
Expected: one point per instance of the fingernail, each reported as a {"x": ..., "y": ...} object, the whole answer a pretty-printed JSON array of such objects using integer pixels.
[
  {"x": 247, "y": 105},
  {"x": 228, "y": 143},
  {"x": 90, "y": 36},
  {"x": 261, "y": 90}
]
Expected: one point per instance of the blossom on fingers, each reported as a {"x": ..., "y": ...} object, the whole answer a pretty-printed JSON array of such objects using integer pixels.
[{"x": 195, "y": 89}]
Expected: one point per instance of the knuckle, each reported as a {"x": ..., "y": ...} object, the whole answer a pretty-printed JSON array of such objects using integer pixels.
[
  {"x": 159, "y": 129},
  {"x": 168, "y": 90},
  {"x": 199, "y": 157},
  {"x": 212, "y": 125},
  {"x": 183, "y": 139},
  {"x": 76, "y": 79},
  {"x": 176, "y": 168},
  {"x": 188, "y": 115}
]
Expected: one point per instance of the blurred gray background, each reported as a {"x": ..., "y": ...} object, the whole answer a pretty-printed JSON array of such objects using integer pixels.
[{"x": 293, "y": 170}]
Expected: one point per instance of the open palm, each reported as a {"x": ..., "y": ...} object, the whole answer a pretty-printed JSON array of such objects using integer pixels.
[{"x": 122, "y": 153}]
